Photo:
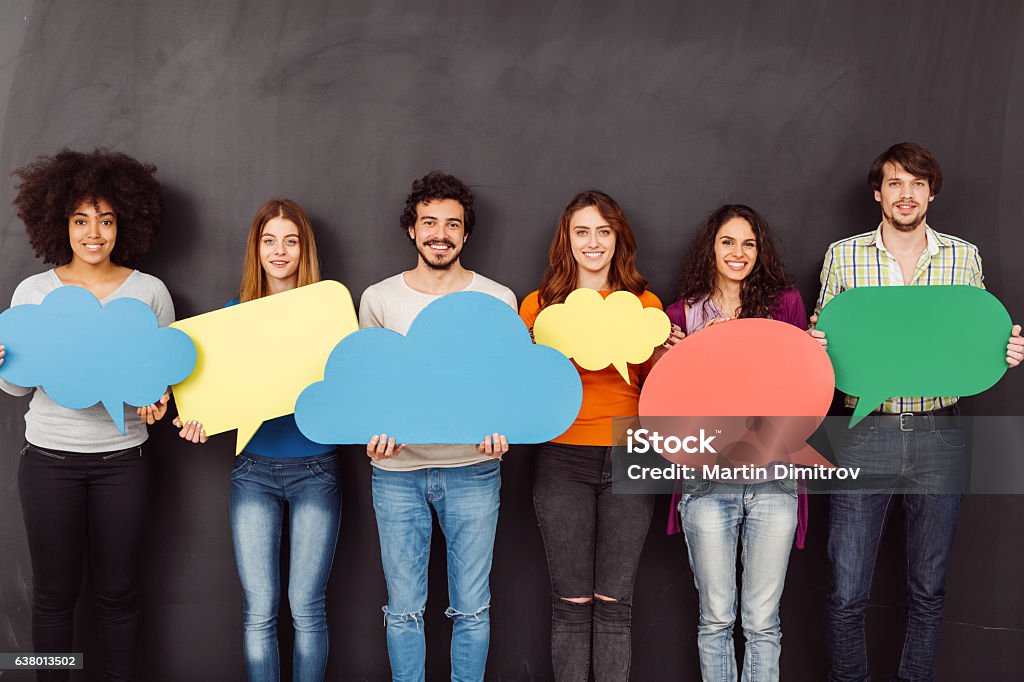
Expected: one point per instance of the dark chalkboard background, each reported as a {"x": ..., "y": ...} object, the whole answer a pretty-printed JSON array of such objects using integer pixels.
[{"x": 672, "y": 107}]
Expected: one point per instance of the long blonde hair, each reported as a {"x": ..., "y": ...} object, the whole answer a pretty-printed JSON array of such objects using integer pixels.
[{"x": 254, "y": 280}]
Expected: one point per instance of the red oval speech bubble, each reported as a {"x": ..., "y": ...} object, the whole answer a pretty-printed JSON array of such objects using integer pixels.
[{"x": 760, "y": 386}]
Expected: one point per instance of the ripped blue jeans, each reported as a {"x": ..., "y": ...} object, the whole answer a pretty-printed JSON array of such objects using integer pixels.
[{"x": 466, "y": 501}]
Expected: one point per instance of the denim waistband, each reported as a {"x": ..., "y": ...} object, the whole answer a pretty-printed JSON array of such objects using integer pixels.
[{"x": 288, "y": 461}]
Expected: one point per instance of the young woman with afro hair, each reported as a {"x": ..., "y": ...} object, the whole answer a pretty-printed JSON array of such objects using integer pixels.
[{"x": 84, "y": 484}]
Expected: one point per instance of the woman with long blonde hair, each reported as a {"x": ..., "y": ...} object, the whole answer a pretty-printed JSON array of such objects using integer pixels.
[{"x": 282, "y": 477}]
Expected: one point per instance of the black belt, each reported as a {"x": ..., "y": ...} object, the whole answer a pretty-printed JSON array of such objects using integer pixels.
[{"x": 942, "y": 418}]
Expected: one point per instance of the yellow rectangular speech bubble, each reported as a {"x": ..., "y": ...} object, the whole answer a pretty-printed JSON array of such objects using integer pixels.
[{"x": 254, "y": 359}]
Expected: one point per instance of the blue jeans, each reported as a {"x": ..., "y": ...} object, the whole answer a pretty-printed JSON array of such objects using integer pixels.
[
  {"x": 262, "y": 488},
  {"x": 466, "y": 500},
  {"x": 928, "y": 465},
  {"x": 761, "y": 518}
]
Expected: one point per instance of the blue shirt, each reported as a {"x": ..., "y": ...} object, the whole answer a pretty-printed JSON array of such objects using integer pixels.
[{"x": 281, "y": 437}]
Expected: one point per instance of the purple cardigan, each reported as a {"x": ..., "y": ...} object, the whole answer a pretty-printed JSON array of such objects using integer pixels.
[{"x": 790, "y": 308}]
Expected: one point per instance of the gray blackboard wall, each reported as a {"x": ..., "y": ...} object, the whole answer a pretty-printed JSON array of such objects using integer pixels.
[{"x": 671, "y": 107}]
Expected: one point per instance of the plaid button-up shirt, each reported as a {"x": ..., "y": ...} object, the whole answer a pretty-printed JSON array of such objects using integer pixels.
[{"x": 863, "y": 261}]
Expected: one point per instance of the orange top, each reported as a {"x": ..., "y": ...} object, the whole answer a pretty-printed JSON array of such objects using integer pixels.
[{"x": 605, "y": 394}]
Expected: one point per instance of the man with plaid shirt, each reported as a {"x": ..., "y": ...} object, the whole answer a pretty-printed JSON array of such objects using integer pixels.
[{"x": 908, "y": 444}]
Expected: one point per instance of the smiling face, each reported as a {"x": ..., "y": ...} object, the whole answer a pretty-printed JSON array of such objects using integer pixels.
[
  {"x": 904, "y": 198},
  {"x": 439, "y": 232},
  {"x": 592, "y": 240},
  {"x": 92, "y": 230},
  {"x": 735, "y": 250},
  {"x": 280, "y": 250}
]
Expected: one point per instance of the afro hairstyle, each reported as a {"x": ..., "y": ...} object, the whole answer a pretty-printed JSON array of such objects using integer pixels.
[{"x": 52, "y": 187}]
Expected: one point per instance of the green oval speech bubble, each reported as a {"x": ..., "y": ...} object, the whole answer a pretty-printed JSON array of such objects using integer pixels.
[{"x": 914, "y": 341}]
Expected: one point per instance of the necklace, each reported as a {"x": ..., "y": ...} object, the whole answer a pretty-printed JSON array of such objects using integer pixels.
[{"x": 724, "y": 309}]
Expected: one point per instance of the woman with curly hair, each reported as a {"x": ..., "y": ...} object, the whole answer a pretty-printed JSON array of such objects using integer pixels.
[
  {"x": 82, "y": 482},
  {"x": 592, "y": 535},
  {"x": 281, "y": 478},
  {"x": 733, "y": 270}
]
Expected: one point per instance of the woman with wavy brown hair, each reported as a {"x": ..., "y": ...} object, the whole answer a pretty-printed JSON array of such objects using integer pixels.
[
  {"x": 732, "y": 269},
  {"x": 592, "y": 537}
]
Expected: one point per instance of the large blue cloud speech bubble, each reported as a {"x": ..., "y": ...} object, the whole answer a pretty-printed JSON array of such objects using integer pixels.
[
  {"x": 83, "y": 353},
  {"x": 467, "y": 368}
]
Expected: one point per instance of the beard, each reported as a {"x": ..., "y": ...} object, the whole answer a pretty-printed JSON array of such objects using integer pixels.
[
  {"x": 906, "y": 225},
  {"x": 438, "y": 261}
]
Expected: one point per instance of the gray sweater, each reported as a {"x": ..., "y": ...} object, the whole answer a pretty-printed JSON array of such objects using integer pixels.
[
  {"x": 393, "y": 304},
  {"x": 47, "y": 424}
]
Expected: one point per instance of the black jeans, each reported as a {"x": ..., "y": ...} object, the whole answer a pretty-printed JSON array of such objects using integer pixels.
[
  {"x": 71, "y": 500},
  {"x": 593, "y": 539}
]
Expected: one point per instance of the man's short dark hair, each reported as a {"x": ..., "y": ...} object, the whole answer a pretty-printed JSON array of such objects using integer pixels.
[
  {"x": 436, "y": 186},
  {"x": 914, "y": 158}
]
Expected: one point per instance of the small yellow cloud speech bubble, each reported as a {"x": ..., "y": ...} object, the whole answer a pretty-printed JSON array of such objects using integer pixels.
[
  {"x": 254, "y": 359},
  {"x": 598, "y": 331}
]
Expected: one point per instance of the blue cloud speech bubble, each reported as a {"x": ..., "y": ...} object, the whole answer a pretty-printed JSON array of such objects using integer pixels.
[
  {"x": 467, "y": 368},
  {"x": 83, "y": 353}
]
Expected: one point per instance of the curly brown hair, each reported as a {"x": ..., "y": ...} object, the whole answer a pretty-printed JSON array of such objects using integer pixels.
[
  {"x": 52, "y": 187},
  {"x": 560, "y": 276},
  {"x": 436, "y": 186},
  {"x": 761, "y": 289}
]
